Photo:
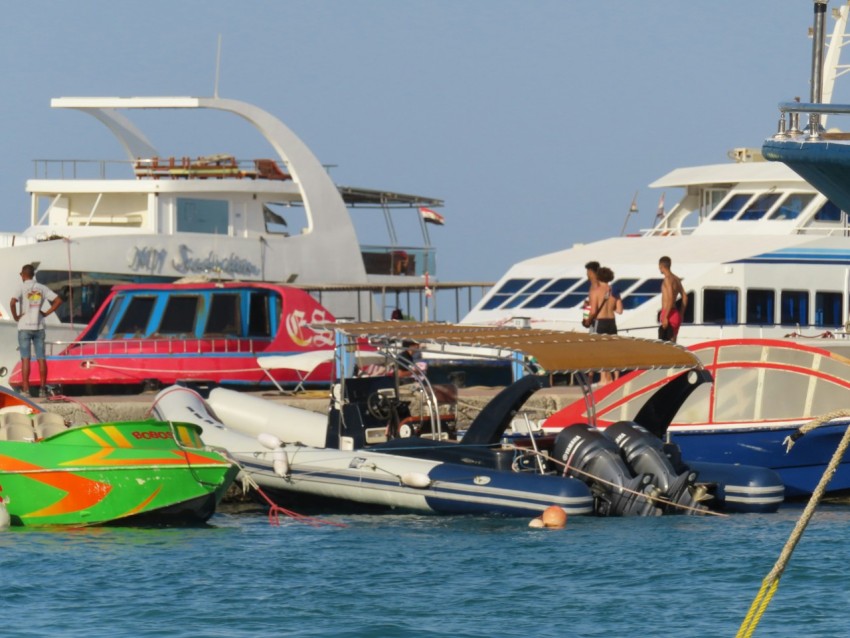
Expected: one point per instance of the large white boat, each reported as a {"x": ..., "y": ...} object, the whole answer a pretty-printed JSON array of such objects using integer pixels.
[
  {"x": 152, "y": 218},
  {"x": 760, "y": 251}
]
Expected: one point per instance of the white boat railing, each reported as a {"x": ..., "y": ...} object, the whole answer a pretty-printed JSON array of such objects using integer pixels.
[{"x": 172, "y": 345}]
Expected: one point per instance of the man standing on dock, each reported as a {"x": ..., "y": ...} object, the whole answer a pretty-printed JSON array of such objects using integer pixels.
[
  {"x": 674, "y": 301},
  {"x": 27, "y": 311}
]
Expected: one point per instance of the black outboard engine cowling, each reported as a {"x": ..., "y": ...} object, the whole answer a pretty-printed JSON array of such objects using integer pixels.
[
  {"x": 596, "y": 460},
  {"x": 645, "y": 453}
]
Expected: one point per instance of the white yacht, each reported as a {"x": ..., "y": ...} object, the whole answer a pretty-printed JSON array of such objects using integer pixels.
[
  {"x": 153, "y": 218},
  {"x": 760, "y": 251}
]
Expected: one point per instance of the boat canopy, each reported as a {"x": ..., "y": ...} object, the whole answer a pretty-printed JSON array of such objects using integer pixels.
[{"x": 555, "y": 351}]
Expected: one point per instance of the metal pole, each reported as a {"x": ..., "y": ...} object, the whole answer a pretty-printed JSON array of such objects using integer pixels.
[{"x": 817, "y": 64}]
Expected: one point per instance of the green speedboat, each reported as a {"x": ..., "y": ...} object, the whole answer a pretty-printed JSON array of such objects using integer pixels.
[{"x": 128, "y": 473}]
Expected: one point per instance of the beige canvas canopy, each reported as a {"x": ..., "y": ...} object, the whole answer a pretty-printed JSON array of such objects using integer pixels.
[{"x": 555, "y": 351}]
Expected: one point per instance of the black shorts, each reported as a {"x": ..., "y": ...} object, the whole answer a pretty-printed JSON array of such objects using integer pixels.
[{"x": 606, "y": 326}]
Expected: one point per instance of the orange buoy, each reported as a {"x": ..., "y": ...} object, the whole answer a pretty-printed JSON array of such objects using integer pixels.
[{"x": 554, "y": 516}]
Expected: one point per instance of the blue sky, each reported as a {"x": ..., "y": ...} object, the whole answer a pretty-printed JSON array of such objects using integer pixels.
[{"x": 536, "y": 121}]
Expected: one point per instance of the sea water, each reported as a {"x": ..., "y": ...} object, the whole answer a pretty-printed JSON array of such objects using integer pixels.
[{"x": 420, "y": 576}]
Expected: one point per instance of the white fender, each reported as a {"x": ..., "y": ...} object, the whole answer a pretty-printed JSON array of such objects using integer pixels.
[
  {"x": 253, "y": 416},
  {"x": 5, "y": 519},
  {"x": 269, "y": 440}
]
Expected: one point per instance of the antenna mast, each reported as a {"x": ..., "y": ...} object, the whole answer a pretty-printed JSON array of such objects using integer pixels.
[{"x": 217, "y": 66}]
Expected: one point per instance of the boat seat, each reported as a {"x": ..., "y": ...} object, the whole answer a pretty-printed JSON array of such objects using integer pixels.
[
  {"x": 15, "y": 418},
  {"x": 17, "y": 431},
  {"x": 21, "y": 409},
  {"x": 47, "y": 424}
]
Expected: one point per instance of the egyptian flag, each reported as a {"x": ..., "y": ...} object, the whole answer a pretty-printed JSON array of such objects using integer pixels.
[{"x": 431, "y": 216}]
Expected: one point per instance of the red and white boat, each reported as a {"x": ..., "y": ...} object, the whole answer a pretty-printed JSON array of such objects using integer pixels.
[{"x": 146, "y": 335}]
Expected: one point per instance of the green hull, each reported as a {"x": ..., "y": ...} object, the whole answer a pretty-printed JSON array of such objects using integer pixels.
[{"x": 136, "y": 471}]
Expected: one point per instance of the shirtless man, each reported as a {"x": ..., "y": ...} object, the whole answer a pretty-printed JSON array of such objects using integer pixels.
[
  {"x": 671, "y": 292},
  {"x": 591, "y": 268},
  {"x": 603, "y": 305}
]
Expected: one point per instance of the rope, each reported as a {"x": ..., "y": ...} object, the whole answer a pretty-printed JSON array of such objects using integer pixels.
[
  {"x": 276, "y": 510},
  {"x": 771, "y": 581},
  {"x": 61, "y": 398}
]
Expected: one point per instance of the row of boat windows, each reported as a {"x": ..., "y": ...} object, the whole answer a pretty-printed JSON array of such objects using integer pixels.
[
  {"x": 773, "y": 206},
  {"x": 768, "y": 307},
  {"x": 566, "y": 293},
  {"x": 204, "y": 314}
]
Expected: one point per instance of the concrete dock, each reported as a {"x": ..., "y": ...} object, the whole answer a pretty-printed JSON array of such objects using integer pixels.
[{"x": 104, "y": 408}]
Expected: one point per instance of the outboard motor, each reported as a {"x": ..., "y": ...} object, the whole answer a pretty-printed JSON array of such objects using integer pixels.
[
  {"x": 596, "y": 460},
  {"x": 645, "y": 454}
]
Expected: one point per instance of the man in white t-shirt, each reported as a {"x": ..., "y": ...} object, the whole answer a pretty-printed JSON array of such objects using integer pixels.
[{"x": 27, "y": 310}]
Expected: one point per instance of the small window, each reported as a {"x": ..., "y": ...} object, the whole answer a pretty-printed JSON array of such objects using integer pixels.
[
  {"x": 135, "y": 320},
  {"x": 759, "y": 207},
  {"x": 259, "y": 319},
  {"x": 526, "y": 293},
  {"x": 642, "y": 293},
  {"x": 179, "y": 315},
  {"x": 575, "y": 297},
  {"x": 795, "y": 308},
  {"x": 760, "y": 307},
  {"x": 828, "y": 309},
  {"x": 224, "y": 318},
  {"x": 619, "y": 286},
  {"x": 508, "y": 290},
  {"x": 792, "y": 206},
  {"x": 720, "y": 306},
  {"x": 550, "y": 293},
  {"x": 731, "y": 208},
  {"x": 829, "y": 212},
  {"x": 689, "y": 311}
]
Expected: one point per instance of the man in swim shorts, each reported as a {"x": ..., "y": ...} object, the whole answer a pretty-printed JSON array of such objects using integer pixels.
[{"x": 674, "y": 301}]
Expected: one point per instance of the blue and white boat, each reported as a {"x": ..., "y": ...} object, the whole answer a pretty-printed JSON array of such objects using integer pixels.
[
  {"x": 762, "y": 253},
  {"x": 377, "y": 449}
]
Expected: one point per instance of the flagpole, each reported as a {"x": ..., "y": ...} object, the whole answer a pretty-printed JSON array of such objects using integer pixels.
[{"x": 633, "y": 209}]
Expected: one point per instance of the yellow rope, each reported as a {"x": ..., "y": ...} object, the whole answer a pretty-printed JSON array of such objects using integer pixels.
[{"x": 771, "y": 582}]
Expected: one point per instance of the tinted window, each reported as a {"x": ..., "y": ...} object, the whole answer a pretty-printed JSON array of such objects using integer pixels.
[
  {"x": 224, "y": 315},
  {"x": 759, "y": 207},
  {"x": 828, "y": 309},
  {"x": 202, "y": 216},
  {"x": 760, "y": 306},
  {"x": 720, "y": 306},
  {"x": 574, "y": 298},
  {"x": 792, "y": 206},
  {"x": 642, "y": 293},
  {"x": 730, "y": 208},
  {"x": 550, "y": 293},
  {"x": 179, "y": 315},
  {"x": 508, "y": 289},
  {"x": 528, "y": 291},
  {"x": 259, "y": 319},
  {"x": 135, "y": 319},
  {"x": 795, "y": 307},
  {"x": 829, "y": 212}
]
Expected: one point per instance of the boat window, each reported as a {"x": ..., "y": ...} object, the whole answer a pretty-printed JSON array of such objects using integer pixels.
[
  {"x": 224, "y": 316},
  {"x": 202, "y": 216},
  {"x": 689, "y": 311},
  {"x": 759, "y": 207},
  {"x": 784, "y": 394},
  {"x": 829, "y": 212},
  {"x": 526, "y": 293},
  {"x": 736, "y": 394},
  {"x": 710, "y": 198},
  {"x": 760, "y": 307},
  {"x": 731, "y": 208},
  {"x": 550, "y": 293},
  {"x": 575, "y": 297},
  {"x": 259, "y": 315},
  {"x": 179, "y": 315},
  {"x": 795, "y": 307},
  {"x": 619, "y": 286},
  {"x": 828, "y": 396},
  {"x": 720, "y": 305},
  {"x": 508, "y": 289},
  {"x": 792, "y": 206},
  {"x": 828, "y": 309},
  {"x": 643, "y": 293},
  {"x": 134, "y": 321}
]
